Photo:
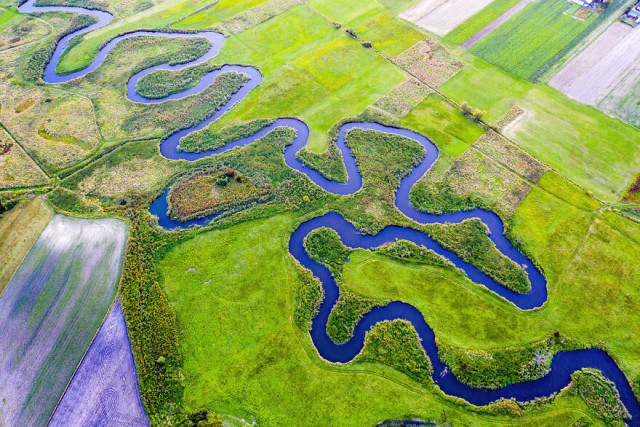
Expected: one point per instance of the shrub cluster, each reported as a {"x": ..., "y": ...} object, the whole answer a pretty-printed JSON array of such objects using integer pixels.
[
  {"x": 599, "y": 393},
  {"x": 470, "y": 242},
  {"x": 396, "y": 344},
  {"x": 498, "y": 368},
  {"x": 207, "y": 139}
]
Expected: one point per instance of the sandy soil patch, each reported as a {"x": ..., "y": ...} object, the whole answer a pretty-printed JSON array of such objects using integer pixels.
[
  {"x": 441, "y": 17},
  {"x": 600, "y": 65}
]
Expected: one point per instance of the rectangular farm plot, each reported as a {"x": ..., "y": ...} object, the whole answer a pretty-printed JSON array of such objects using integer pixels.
[
  {"x": 443, "y": 16},
  {"x": 51, "y": 310},
  {"x": 105, "y": 386},
  {"x": 595, "y": 71},
  {"x": 535, "y": 38}
]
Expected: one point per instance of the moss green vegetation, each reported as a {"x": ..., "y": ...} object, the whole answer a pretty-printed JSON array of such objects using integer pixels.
[
  {"x": 499, "y": 367},
  {"x": 480, "y": 20},
  {"x": 531, "y": 40},
  {"x": 396, "y": 344},
  {"x": 600, "y": 393},
  {"x": 469, "y": 240},
  {"x": 249, "y": 366},
  {"x": 205, "y": 139}
]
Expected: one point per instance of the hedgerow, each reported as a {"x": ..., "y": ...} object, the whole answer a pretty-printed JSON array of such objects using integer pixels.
[{"x": 151, "y": 323}]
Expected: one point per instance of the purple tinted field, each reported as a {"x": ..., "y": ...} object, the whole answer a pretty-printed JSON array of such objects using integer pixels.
[
  {"x": 105, "y": 386},
  {"x": 51, "y": 310}
]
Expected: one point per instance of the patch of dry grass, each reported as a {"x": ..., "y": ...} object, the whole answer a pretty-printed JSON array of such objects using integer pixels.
[
  {"x": 16, "y": 167},
  {"x": 430, "y": 62},
  {"x": 507, "y": 153},
  {"x": 19, "y": 230},
  {"x": 472, "y": 180},
  {"x": 403, "y": 98}
]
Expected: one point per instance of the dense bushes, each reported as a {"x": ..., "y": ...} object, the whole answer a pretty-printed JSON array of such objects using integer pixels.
[
  {"x": 396, "y": 344},
  {"x": 498, "y": 368},
  {"x": 209, "y": 192},
  {"x": 163, "y": 83},
  {"x": 71, "y": 202},
  {"x": 206, "y": 139},
  {"x": 308, "y": 297},
  {"x": 410, "y": 252},
  {"x": 600, "y": 393},
  {"x": 151, "y": 324},
  {"x": 469, "y": 241}
]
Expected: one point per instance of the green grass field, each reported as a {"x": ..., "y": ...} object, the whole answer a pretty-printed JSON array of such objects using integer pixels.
[
  {"x": 271, "y": 373},
  {"x": 530, "y": 40},
  {"x": 565, "y": 134}
]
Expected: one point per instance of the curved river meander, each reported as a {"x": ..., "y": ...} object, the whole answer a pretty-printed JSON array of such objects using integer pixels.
[{"x": 562, "y": 365}]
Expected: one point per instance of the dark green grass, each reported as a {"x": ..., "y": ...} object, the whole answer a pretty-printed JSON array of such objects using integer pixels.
[{"x": 530, "y": 40}]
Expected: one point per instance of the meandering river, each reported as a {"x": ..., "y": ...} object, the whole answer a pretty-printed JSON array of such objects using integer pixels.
[{"x": 562, "y": 365}]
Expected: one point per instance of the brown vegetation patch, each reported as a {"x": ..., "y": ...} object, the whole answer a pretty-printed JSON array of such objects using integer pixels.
[
  {"x": 403, "y": 98},
  {"x": 257, "y": 15},
  {"x": 633, "y": 192},
  {"x": 509, "y": 117},
  {"x": 583, "y": 13},
  {"x": 23, "y": 32},
  {"x": 430, "y": 62},
  {"x": 507, "y": 153},
  {"x": 137, "y": 176},
  {"x": 473, "y": 180},
  {"x": 212, "y": 191}
]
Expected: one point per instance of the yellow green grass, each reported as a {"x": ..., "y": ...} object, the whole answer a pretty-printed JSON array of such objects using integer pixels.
[
  {"x": 593, "y": 150},
  {"x": 271, "y": 373}
]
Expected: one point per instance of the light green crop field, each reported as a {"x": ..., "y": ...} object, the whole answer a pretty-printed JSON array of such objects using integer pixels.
[
  {"x": 218, "y": 316},
  {"x": 479, "y": 21},
  {"x": 592, "y": 149},
  {"x": 532, "y": 38}
]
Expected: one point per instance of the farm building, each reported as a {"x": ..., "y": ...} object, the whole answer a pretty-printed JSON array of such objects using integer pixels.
[
  {"x": 632, "y": 15},
  {"x": 591, "y": 4}
]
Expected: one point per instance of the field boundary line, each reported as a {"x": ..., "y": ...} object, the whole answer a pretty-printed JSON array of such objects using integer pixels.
[
  {"x": 481, "y": 122},
  {"x": 82, "y": 359},
  {"x": 574, "y": 253},
  {"x": 37, "y": 163}
]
